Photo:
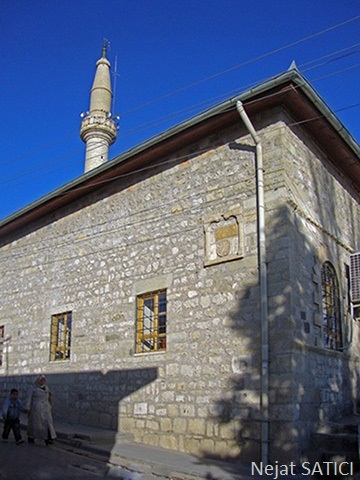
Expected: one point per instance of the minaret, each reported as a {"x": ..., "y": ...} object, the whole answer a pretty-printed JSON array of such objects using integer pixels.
[{"x": 98, "y": 130}]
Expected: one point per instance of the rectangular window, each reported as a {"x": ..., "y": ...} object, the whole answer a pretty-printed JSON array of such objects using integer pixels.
[
  {"x": 60, "y": 344},
  {"x": 151, "y": 322},
  {"x": 2, "y": 337}
]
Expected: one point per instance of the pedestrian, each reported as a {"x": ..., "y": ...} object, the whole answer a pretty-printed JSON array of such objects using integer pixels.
[
  {"x": 11, "y": 414},
  {"x": 39, "y": 406}
]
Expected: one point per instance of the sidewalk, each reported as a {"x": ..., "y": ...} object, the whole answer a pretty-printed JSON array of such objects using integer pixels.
[{"x": 142, "y": 461}]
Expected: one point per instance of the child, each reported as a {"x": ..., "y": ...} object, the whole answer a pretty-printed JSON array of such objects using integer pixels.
[{"x": 11, "y": 414}]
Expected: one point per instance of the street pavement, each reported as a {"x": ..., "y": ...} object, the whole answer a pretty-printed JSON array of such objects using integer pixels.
[
  {"x": 83, "y": 452},
  {"x": 38, "y": 462}
]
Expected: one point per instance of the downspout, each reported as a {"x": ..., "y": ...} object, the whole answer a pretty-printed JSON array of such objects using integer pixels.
[{"x": 263, "y": 284}]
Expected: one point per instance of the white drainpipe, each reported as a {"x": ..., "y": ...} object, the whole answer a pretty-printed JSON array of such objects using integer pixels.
[{"x": 263, "y": 285}]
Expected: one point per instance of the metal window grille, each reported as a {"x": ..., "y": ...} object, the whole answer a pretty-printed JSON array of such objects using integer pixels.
[
  {"x": 332, "y": 334},
  {"x": 355, "y": 278},
  {"x": 151, "y": 322},
  {"x": 60, "y": 345},
  {"x": 2, "y": 336}
]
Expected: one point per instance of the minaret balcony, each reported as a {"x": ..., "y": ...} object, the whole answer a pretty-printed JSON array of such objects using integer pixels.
[{"x": 104, "y": 126}]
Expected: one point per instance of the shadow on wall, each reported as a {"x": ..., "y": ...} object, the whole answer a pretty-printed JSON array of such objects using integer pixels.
[
  {"x": 308, "y": 384},
  {"x": 87, "y": 398}
]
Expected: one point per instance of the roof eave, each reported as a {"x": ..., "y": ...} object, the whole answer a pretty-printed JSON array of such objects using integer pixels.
[{"x": 90, "y": 180}]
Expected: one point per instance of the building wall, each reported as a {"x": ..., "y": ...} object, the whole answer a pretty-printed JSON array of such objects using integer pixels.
[
  {"x": 320, "y": 222},
  {"x": 157, "y": 229},
  {"x": 138, "y": 234}
]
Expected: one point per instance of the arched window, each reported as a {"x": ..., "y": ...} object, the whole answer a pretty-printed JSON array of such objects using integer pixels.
[{"x": 332, "y": 333}]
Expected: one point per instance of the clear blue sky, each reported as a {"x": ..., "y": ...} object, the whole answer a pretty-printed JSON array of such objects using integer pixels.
[{"x": 215, "y": 48}]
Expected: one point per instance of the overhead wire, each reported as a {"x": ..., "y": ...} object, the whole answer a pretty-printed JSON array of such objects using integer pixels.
[
  {"x": 127, "y": 213},
  {"x": 337, "y": 52},
  {"x": 248, "y": 62},
  {"x": 162, "y": 120},
  {"x": 185, "y": 196},
  {"x": 37, "y": 150},
  {"x": 173, "y": 115},
  {"x": 252, "y": 60},
  {"x": 170, "y": 160},
  {"x": 210, "y": 101}
]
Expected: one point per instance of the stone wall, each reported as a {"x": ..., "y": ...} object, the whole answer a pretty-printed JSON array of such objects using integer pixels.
[
  {"x": 320, "y": 222},
  {"x": 160, "y": 229},
  {"x": 137, "y": 233}
]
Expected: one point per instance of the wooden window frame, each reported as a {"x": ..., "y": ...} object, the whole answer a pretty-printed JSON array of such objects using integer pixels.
[
  {"x": 331, "y": 310},
  {"x": 151, "y": 319},
  {"x": 60, "y": 336}
]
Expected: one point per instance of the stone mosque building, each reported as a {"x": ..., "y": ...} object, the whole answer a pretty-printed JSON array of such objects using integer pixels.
[{"x": 199, "y": 292}]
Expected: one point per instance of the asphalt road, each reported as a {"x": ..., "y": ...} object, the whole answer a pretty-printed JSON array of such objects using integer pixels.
[{"x": 38, "y": 462}]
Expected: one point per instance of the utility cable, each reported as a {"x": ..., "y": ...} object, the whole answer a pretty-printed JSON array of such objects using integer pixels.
[
  {"x": 247, "y": 62},
  {"x": 173, "y": 115},
  {"x": 322, "y": 32},
  {"x": 214, "y": 76},
  {"x": 70, "y": 154}
]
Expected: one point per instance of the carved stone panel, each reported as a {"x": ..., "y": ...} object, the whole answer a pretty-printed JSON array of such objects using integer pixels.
[{"x": 223, "y": 238}]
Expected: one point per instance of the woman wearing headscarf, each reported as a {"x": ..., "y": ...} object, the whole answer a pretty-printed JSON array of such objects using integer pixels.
[{"x": 39, "y": 407}]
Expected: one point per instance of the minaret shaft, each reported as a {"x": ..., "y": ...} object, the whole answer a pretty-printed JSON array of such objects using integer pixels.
[
  {"x": 98, "y": 130},
  {"x": 101, "y": 94}
]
